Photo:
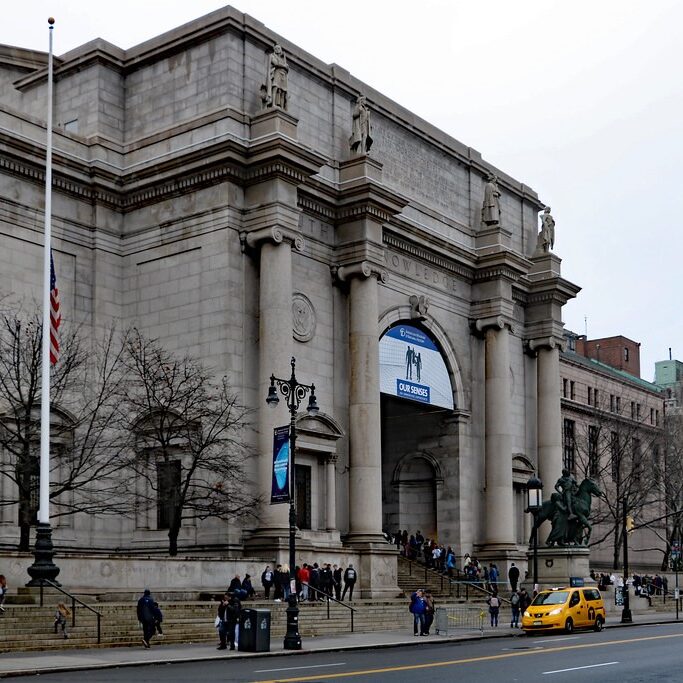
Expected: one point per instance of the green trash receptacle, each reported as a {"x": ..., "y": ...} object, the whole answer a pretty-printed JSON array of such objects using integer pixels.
[{"x": 254, "y": 633}]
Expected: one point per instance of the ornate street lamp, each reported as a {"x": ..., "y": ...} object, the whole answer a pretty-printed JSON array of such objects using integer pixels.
[
  {"x": 294, "y": 392},
  {"x": 626, "y": 616},
  {"x": 534, "y": 490}
]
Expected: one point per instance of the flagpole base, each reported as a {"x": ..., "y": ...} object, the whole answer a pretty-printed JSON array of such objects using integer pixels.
[{"x": 43, "y": 567}]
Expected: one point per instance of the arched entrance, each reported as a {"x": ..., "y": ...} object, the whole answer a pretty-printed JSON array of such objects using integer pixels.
[{"x": 420, "y": 438}]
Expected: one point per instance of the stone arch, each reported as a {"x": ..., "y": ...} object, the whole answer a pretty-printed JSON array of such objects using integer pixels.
[
  {"x": 396, "y": 314},
  {"x": 417, "y": 479}
]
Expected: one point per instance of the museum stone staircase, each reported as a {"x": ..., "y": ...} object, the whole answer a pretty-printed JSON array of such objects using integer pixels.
[{"x": 25, "y": 626}]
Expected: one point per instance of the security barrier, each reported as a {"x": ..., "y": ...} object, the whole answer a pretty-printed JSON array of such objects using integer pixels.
[{"x": 450, "y": 619}]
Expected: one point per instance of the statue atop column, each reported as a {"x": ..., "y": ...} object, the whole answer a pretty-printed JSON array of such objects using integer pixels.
[
  {"x": 274, "y": 91},
  {"x": 490, "y": 211},
  {"x": 360, "y": 140},
  {"x": 546, "y": 237}
]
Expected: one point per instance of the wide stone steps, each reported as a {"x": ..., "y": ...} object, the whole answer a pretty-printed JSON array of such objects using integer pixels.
[{"x": 28, "y": 628}]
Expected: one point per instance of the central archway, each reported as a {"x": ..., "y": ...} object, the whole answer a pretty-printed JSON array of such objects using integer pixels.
[{"x": 420, "y": 444}]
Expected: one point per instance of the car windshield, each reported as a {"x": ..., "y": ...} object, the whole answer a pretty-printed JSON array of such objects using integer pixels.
[{"x": 554, "y": 598}]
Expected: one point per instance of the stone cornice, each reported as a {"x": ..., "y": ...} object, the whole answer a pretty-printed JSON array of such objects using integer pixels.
[
  {"x": 499, "y": 264},
  {"x": 401, "y": 244}
]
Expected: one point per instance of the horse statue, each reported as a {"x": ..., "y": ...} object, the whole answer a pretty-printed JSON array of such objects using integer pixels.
[{"x": 566, "y": 531}]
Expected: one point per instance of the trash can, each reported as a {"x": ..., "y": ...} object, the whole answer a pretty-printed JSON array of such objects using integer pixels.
[{"x": 254, "y": 635}]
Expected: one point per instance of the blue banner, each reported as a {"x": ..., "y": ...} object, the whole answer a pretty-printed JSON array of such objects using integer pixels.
[
  {"x": 279, "y": 492},
  {"x": 418, "y": 392}
]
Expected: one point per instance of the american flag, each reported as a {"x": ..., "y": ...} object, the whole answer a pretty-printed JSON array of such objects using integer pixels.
[{"x": 55, "y": 315}]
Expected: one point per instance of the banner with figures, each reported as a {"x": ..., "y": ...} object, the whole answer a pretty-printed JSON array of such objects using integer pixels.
[
  {"x": 412, "y": 367},
  {"x": 279, "y": 492}
]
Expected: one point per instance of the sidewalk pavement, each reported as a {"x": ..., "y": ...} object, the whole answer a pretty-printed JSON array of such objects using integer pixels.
[{"x": 31, "y": 663}]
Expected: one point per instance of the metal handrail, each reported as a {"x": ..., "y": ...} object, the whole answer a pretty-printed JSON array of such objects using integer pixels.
[
  {"x": 467, "y": 583},
  {"x": 74, "y": 600},
  {"x": 330, "y": 598}
]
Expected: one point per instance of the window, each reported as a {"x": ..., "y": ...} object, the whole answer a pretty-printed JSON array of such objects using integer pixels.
[
  {"x": 168, "y": 492},
  {"x": 657, "y": 417},
  {"x": 302, "y": 486},
  {"x": 614, "y": 454},
  {"x": 618, "y": 404},
  {"x": 638, "y": 411},
  {"x": 564, "y": 387},
  {"x": 590, "y": 396},
  {"x": 569, "y": 443},
  {"x": 611, "y": 402},
  {"x": 572, "y": 390},
  {"x": 593, "y": 435},
  {"x": 652, "y": 416},
  {"x": 636, "y": 461},
  {"x": 595, "y": 397},
  {"x": 626, "y": 353},
  {"x": 633, "y": 410}
]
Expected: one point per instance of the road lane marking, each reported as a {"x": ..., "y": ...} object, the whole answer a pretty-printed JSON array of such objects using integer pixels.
[
  {"x": 556, "y": 640},
  {"x": 578, "y": 668},
  {"x": 293, "y": 668},
  {"x": 471, "y": 660}
]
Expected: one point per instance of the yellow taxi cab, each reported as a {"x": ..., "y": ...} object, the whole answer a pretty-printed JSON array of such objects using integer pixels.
[{"x": 565, "y": 609}]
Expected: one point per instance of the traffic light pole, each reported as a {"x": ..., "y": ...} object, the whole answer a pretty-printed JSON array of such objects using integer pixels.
[{"x": 626, "y": 616}]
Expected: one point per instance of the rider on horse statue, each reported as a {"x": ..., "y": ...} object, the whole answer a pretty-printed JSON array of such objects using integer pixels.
[{"x": 566, "y": 486}]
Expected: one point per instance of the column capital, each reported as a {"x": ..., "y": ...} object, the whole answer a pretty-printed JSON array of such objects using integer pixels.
[
  {"x": 275, "y": 235},
  {"x": 361, "y": 269},
  {"x": 493, "y": 322},
  {"x": 533, "y": 346}
]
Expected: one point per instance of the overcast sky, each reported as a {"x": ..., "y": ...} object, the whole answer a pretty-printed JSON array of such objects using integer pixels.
[{"x": 581, "y": 100}]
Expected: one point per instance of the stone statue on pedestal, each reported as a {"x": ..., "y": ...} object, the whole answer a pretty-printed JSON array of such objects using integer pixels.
[
  {"x": 490, "y": 211},
  {"x": 274, "y": 91},
  {"x": 360, "y": 140},
  {"x": 546, "y": 237}
]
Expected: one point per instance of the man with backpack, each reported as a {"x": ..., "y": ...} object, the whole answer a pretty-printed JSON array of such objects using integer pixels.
[
  {"x": 350, "y": 577},
  {"x": 515, "y": 607}
]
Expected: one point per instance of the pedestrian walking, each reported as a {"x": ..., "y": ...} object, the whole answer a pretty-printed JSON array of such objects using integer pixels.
[
  {"x": 62, "y": 613},
  {"x": 494, "y": 609},
  {"x": 514, "y": 607},
  {"x": 417, "y": 609},
  {"x": 228, "y": 615},
  {"x": 145, "y": 611},
  {"x": 350, "y": 577}
]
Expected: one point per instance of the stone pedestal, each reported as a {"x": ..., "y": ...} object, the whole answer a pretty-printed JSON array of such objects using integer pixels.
[{"x": 557, "y": 565}]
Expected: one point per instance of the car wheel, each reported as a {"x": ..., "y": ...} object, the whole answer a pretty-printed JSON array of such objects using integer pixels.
[
  {"x": 568, "y": 626},
  {"x": 599, "y": 624}
]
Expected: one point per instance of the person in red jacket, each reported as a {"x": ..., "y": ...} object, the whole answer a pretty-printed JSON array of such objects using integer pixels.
[{"x": 304, "y": 576}]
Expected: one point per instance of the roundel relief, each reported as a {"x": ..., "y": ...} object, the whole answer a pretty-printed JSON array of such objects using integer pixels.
[{"x": 303, "y": 318}]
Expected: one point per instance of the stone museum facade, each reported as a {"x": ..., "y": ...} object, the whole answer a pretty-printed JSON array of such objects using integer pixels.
[{"x": 235, "y": 197}]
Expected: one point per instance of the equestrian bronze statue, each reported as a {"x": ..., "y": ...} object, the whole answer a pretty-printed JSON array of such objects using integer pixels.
[{"x": 568, "y": 511}]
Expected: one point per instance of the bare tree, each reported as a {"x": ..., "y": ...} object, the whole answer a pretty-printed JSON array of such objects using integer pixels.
[
  {"x": 188, "y": 430},
  {"x": 86, "y": 449},
  {"x": 619, "y": 453}
]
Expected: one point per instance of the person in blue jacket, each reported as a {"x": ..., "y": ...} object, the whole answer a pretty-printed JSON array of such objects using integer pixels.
[{"x": 417, "y": 608}]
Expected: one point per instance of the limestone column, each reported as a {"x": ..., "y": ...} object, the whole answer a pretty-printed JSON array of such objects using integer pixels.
[
  {"x": 331, "y": 491},
  {"x": 498, "y": 437},
  {"x": 365, "y": 448},
  {"x": 275, "y": 352},
  {"x": 549, "y": 415}
]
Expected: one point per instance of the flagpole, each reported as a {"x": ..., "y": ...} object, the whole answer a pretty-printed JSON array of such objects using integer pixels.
[{"x": 43, "y": 567}]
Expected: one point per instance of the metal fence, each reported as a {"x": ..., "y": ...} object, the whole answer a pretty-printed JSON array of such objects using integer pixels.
[{"x": 450, "y": 619}]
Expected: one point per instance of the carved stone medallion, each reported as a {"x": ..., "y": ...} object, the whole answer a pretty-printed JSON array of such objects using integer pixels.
[{"x": 303, "y": 318}]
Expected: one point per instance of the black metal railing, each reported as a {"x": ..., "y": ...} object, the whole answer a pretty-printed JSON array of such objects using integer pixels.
[
  {"x": 328, "y": 598},
  {"x": 74, "y": 600}
]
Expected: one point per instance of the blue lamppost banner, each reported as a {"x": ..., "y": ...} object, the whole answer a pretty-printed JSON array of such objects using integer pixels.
[{"x": 279, "y": 492}]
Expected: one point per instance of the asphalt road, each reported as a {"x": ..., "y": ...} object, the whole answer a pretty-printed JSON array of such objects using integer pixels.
[{"x": 624, "y": 655}]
